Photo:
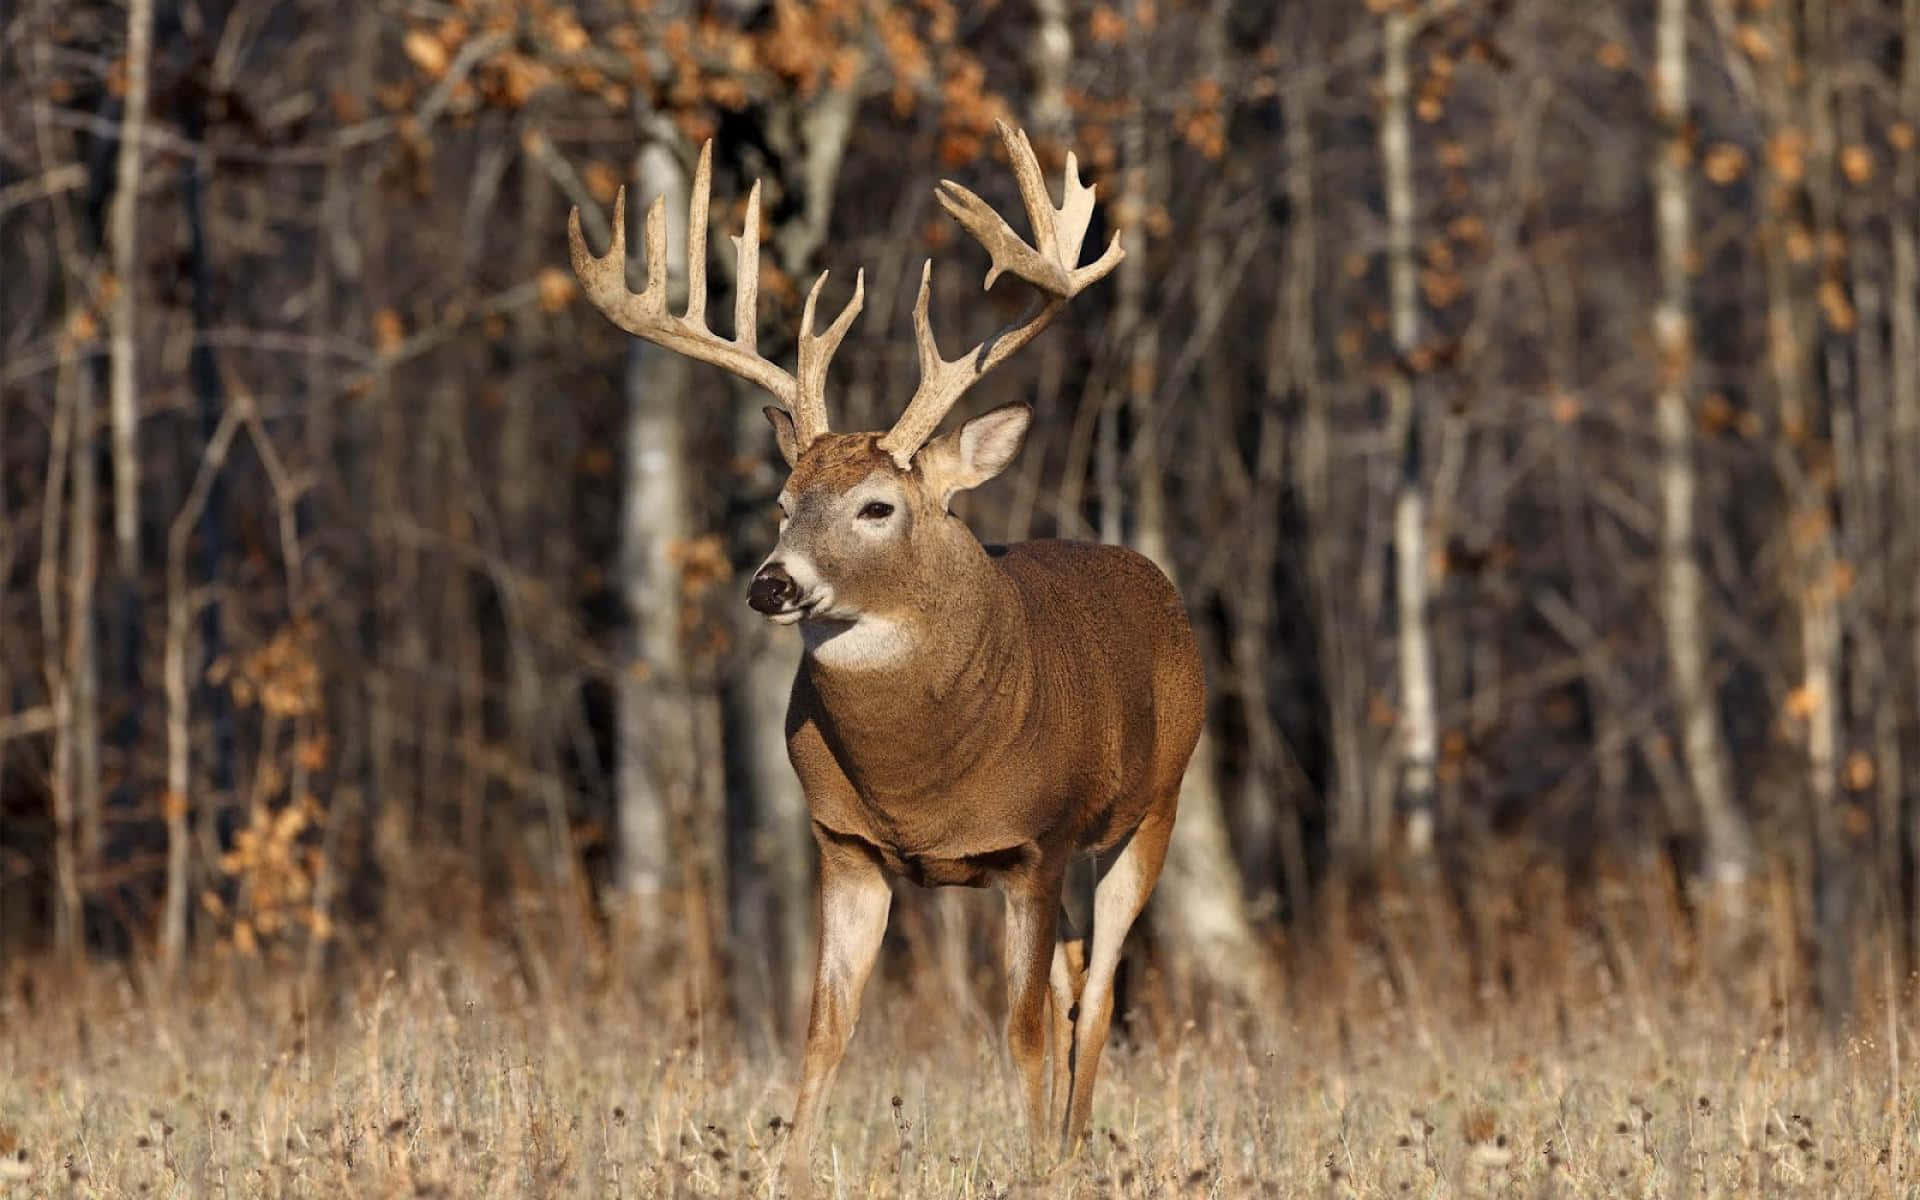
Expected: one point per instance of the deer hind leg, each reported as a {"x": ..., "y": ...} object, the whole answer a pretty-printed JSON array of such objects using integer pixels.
[
  {"x": 1064, "y": 981},
  {"x": 1125, "y": 881},
  {"x": 854, "y": 900},
  {"x": 1033, "y": 917},
  {"x": 1067, "y": 976}
]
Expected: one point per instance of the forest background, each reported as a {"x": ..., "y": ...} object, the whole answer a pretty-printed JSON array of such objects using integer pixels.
[{"x": 1525, "y": 396}]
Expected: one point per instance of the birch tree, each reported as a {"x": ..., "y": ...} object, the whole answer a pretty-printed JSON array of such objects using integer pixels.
[
  {"x": 1419, "y": 738},
  {"x": 657, "y": 773},
  {"x": 1688, "y": 637}
]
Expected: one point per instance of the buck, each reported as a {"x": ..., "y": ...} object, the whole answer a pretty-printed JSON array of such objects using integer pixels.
[{"x": 963, "y": 714}]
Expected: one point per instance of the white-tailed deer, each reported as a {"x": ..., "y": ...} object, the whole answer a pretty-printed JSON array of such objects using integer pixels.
[{"x": 963, "y": 714}]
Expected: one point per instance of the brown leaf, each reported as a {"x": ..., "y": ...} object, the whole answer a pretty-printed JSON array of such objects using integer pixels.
[
  {"x": 426, "y": 52},
  {"x": 1801, "y": 702},
  {"x": 1787, "y": 155},
  {"x": 1860, "y": 772},
  {"x": 1856, "y": 163},
  {"x": 1716, "y": 412},
  {"x": 1837, "y": 307},
  {"x": 82, "y": 327},
  {"x": 557, "y": 289},
  {"x": 602, "y": 180},
  {"x": 389, "y": 331},
  {"x": 1725, "y": 163},
  {"x": 1754, "y": 43}
]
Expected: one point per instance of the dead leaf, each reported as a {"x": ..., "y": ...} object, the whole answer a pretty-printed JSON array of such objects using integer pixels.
[{"x": 426, "y": 52}]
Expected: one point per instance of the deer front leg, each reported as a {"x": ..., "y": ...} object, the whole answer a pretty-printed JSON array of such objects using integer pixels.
[
  {"x": 853, "y": 915},
  {"x": 1033, "y": 914}
]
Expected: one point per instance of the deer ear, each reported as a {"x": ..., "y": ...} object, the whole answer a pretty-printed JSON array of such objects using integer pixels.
[
  {"x": 977, "y": 451},
  {"x": 784, "y": 433}
]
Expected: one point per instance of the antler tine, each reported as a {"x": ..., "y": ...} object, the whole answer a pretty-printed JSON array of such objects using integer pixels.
[
  {"x": 942, "y": 383},
  {"x": 1076, "y": 210},
  {"x": 810, "y": 410},
  {"x": 645, "y": 314},
  {"x": 1049, "y": 265},
  {"x": 931, "y": 364},
  {"x": 697, "y": 238},
  {"x": 746, "y": 288}
]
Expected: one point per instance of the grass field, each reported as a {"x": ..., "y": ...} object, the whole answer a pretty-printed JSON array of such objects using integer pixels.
[{"x": 446, "y": 1077}]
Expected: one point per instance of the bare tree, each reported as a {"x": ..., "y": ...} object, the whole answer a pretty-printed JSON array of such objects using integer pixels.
[
  {"x": 124, "y": 234},
  {"x": 657, "y": 770},
  {"x": 1200, "y": 906},
  {"x": 1904, "y": 379},
  {"x": 1688, "y": 638},
  {"x": 1418, "y": 728}
]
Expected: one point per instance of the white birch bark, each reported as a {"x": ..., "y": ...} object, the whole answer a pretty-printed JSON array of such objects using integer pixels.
[
  {"x": 655, "y": 775},
  {"x": 1703, "y": 746},
  {"x": 1418, "y": 733},
  {"x": 123, "y": 223}
]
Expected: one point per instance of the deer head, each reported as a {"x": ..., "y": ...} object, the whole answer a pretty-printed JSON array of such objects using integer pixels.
[{"x": 866, "y": 533}]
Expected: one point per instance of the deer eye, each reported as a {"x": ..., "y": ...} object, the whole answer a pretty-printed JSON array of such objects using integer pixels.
[{"x": 876, "y": 510}]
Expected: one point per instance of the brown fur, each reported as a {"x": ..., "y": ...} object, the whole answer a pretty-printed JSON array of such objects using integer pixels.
[{"x": 1047, "y": 708}]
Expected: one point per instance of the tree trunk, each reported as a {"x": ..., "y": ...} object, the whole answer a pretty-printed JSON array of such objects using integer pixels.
[
  {"x": 82, "y": 665},
  {"x": 1904, "y": 371},
  {"x": 1820, "y": 591},
  {"x": 1200, "y": 908},
  {"x": 67, "y": 910},
  {"x": 1703, "y": 747},
  {"x": 1052, "y": 57},
  {"x": 124, "y": 233},
  {"x": 656, "y": 774},
  {"x": 1418, "y": 732},
  {"x": 176, "y": 805}
]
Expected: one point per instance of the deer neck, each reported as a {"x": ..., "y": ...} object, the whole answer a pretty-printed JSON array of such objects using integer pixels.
[{"x": 912, "y": 700}]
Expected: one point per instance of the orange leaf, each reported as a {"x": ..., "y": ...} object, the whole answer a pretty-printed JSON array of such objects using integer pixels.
[
  {"x": 388, "y": 331},
  {"x": 1856, "y": 163},
  {"x": 602, "y": 181},
  {"x": 1725, "y": 163},
  {"x": 1787, "y": 155},
  {"x": 1801, "y": 703},
  {"x": 1754, "y": 43},
  {"x": 426, "y": 51},
  {"x": 556, "y": 289},
  {"x": 1860, "y": 772}
]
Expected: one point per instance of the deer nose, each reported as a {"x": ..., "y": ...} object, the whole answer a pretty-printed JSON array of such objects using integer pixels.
[{"x": 773, "y": 590}]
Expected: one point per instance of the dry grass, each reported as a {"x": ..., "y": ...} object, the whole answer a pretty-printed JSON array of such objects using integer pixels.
[{"x": 448, "y": 1077}]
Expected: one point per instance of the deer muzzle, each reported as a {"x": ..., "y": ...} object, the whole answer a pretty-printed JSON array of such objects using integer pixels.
[{"x": 773, "y": 590}]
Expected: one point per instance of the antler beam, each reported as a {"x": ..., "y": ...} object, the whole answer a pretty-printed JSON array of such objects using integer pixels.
[
  {"x": 1049, "y": 264},
  {"x": 645, "y": 314}
]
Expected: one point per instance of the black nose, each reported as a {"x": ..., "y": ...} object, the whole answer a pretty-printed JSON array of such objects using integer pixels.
[{"x": 773, "y": 590}]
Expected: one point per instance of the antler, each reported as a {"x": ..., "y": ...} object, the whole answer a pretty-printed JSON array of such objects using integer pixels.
[
  {"x": 644, "y": 314},
  {"x": 1048, "y": 264}
]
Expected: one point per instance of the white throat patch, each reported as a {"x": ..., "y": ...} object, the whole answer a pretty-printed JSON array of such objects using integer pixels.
[{"x": 863, "y": 644}]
